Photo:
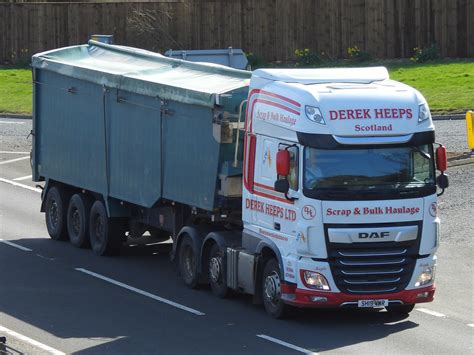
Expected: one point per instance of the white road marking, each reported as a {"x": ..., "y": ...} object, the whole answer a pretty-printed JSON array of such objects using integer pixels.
[
  {"x": 22, "y": 178},
  {"x": 12, "y": 122},
  {"x": 284, "y": 343},
  {"x": 471, "y": 325},
  {"x": 141, "y": 292},
  {"x": 12, "y": 152},
  {"x": 45, "y": 257},
  {"x": 15, "y": 245},
  {"x": 430, "y": 312},
  {"x": 13, "y": 160},
  {"x": 30, "y": 341},
  {"x": 150, "y": 244},
  {"x": 20, "y": 185}
]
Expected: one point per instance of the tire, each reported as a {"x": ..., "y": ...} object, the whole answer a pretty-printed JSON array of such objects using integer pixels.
[
  {"x": 188, "y": 263},
  {"x": 404, "y": 309},
  {"x": 217, "y": 272},
  {"x": 106, "y": 234},
  {"x": 271, "y": 290},
  {"x": 78, "y": 220},
  {"x": 56, "y": 214}
]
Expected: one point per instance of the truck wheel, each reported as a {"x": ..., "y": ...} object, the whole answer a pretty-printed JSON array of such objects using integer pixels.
[
  {"x": 55, "y": 215},
  {"x": 217, "y": 272},
  {"x": 188, "y": 263},
  {"x": 78, "y": 220},
  {"x": 106, "y": 234},
  {"x": 400, "y": 310},
  {"x": 271, "y": 290}
]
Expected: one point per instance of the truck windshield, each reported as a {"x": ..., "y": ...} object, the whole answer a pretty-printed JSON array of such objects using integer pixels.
[{"x": 369, "y": 173}]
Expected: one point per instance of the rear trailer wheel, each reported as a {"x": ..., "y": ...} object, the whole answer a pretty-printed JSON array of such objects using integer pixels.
[
  {"x": 106, "y": 234},
  {"x": 55, "y": 213},
  {"x": 78, "y": 220},
  {"x": 401, "y": 309},
  {"x": 217, "y": 272},
  {"x": 271, "y": 290},
  {"x": 187, "y": 263}
]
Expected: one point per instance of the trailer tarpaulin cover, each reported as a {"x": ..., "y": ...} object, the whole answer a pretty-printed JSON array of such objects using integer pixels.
[{"x": 143, "y": 72}]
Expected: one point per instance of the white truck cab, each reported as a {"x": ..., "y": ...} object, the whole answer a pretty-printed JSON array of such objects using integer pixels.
[{"x": 339, "y": 181}]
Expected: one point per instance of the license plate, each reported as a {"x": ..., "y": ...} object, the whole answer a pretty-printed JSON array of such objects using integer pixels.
[{"x": 372, "y": 303}]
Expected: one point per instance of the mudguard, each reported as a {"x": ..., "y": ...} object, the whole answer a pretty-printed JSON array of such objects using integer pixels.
[{"x": 270, "y": 244}]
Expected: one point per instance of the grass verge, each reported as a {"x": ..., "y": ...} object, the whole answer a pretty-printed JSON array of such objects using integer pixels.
[
  {"x": 448, "y": 85},
  {"x": 15, "y": 90}
]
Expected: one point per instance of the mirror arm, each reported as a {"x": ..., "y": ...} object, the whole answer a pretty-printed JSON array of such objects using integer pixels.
[{"x": 290, "y": 198}]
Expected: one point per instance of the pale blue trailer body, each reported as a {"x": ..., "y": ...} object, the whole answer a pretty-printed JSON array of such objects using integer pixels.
[{"x": 133, "y": 126}]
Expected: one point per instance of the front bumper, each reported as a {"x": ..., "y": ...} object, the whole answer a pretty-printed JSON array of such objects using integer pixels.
[{"x": 307, "y": 298}]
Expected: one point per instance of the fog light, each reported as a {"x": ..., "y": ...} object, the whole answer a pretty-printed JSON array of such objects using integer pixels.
[
  {"x": 426, "y": 277},
  {"x": 314, "y": 280},
  {"x": 422, "y": 295},
  {"x": 319, "y": 299}
]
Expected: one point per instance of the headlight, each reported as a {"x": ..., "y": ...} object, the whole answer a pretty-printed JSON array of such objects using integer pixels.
[
  {"x": 314, "y": 280},
  {"x": 314, "y": 114},
  {"x": 426, "y": 277},
  {"x": 423, "y": 113}
]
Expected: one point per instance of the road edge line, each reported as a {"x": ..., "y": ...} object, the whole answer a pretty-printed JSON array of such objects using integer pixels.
[
  {"x": 7, "y": 242},
  {"x": 26, "y": 177},
  {"x": 13, "y": 160},
  {"x": 17, "y": 184},
  {"x": 430, "y": 312},
  {"x": 142, "y": 292},
  {"x": 285, "y": 344},
  {"x": 33, "y": 342}
]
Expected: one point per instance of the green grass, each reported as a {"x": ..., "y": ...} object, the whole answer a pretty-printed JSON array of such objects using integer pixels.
[
  {"x": 15, "y": 90},
  {"x": 448, "y": 85}
]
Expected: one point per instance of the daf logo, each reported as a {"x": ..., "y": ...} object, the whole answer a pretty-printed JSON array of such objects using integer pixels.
[{"x": 364, "y": 235}]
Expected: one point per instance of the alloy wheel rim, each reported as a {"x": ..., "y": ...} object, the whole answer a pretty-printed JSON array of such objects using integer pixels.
[
  {"x": 76, "y": 221},
  {"x": 215, "y": 268},
  {"x": 53, "y": 214},
  {"x": 273, "y": 287},
  {"x": 189, "y": 262}
]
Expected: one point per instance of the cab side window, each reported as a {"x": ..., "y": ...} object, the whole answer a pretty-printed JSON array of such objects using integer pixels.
[{"x": 294, "y": 164}]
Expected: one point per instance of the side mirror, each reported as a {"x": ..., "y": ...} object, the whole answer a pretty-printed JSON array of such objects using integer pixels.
[
  {"x": 283, "y": 163},
  {"x": 441, "y": 158},
  {"x": 282, "y": 185},
  {"x": 442, "y": 181}
]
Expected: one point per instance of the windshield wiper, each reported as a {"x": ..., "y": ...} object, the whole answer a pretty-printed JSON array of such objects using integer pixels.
[{"x": 422, "y": 152}]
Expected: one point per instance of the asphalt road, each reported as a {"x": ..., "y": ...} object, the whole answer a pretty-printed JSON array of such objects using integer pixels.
[{"x": 55, "y": 298}]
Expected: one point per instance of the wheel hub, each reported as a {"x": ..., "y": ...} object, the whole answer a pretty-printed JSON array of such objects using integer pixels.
[
  {"x": 99, "y": 228},
  {"x": 189, "y": 261},
  {"x": 215, "y": 268},
  {"x": 273, "y": 287},
  {"x": 76, "y": 221},
  {"x": 53, "y": 213}
]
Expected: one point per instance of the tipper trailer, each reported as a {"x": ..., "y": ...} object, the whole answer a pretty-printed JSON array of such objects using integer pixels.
[{"x": 303, "y": 187}]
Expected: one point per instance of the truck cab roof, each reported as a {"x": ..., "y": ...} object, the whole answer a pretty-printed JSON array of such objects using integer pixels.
[
  {"x": 326, "y": 75},
  {"x": 342, "y": 102}
]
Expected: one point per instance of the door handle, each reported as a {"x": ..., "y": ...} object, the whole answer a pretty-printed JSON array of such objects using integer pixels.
[{"x": 276, "y": 226}]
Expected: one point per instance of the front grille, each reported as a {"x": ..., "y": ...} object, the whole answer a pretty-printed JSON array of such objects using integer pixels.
[{"x": 365, "y": 268}]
